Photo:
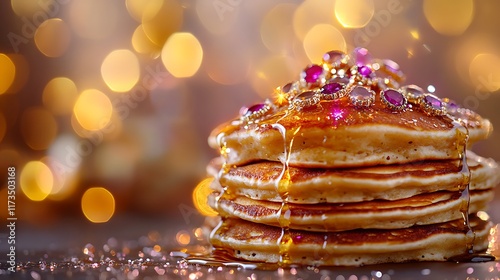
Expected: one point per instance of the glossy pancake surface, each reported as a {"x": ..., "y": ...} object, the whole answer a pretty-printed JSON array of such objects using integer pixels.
[
  {"x": 360, "y": 137},
  {"x": 263, "y": 243},
  {"x": 390, "y": 182},
  {"x": 429, "y": 208}
]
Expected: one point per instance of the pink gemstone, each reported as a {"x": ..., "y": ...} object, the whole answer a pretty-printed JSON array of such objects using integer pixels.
[
  {"x": 331, "y": 88},
  {"x": 394, "y": 97},
  {"x": 253, "y": 109},
  {"x": 361, "y": 56},
  {"x": 433, "y": 102},
  {"x": 312, "y": 73},
  {"x": 365, "y": 71},
  {"x": 360, "y": 93},
  {"x": 333, "y": 57},
  {"x": 361, "y": 96}
]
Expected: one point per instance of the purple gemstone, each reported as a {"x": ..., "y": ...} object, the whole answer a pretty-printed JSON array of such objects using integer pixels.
[
  {"x": 391, "y": 66},
  {"x": 286, "y": 88},
  {"x": 360, "y": 96},
  {"x": 331, "y": 88},
  {"x": 313, "y": 73},
  {"x": 332, "y": 57},
  {"x": 365, "y": 71},
  {"x": 253, "y": 109},
  {"x": 362, "y": 56},
  {"x": 394, "y": 97},
  {"x": 433, "y": 101}
]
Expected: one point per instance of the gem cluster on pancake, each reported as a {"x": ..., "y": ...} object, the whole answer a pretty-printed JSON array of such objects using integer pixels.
[{"x": 348, "y": 166}]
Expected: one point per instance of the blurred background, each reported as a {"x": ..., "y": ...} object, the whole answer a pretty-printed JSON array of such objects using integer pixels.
[{"x": 106, "y": 106}]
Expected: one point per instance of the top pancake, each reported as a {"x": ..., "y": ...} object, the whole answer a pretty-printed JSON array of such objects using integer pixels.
[{"x": 307, "y": 125}]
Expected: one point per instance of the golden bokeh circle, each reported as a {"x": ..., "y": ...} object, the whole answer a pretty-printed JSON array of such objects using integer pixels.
[
  {"x": 53, "y": 37},
  {"x": 98, "y": 204}
]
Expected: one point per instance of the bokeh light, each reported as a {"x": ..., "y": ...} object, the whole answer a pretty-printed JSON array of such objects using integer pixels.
[
  {"x": 484, "y": 71},
  {"x": 157, "y": 25},
  {"x": 183, "y": 237},
  {"x": 449, "y": 17},
  {"x": 36, "y": 180},
  {"x": 200, "y": 195},
  {"x": 310, "y": 13},
  {"x": 98, "y": 204},
  {"x": 38, "y": 127},
  {"x": 142, "y": 44},
  {"x": 93, "y": 109},
  {"x": 321, "y": 39},
  {"x": 7, "y": 72},
  {"x": 120, "y": 70},
  {"x": 354, "y": 13},
  {"x": 182, "y": 55},
  {"x": 27, "y": 8},
  {"x": 137, "y": 8},
  {"x": 53, "y": 37},
  {"x": 275, "y": 30},
  {"x": 93, "y": 19},
  {"x": 59, "y": 95}
]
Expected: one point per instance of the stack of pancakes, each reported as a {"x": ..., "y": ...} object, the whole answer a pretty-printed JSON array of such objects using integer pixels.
[{"x": 347, "y": 167}]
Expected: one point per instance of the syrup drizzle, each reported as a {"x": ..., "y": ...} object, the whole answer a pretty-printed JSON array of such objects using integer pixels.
[
  {"x": 283, "y": 181},
  {"x": 464, "y": 186}
]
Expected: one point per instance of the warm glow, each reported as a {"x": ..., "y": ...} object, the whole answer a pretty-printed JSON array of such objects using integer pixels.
[
  {"x": 275, "y": 29},
  {"x": 321, "y": 39},
  {"x": 59, "y": 95},
  {"x": 160, "y": 23},
  {"x": 414, "y": 34},
  {"x": 322, "y": 11},
  {"x": 449, "y": 17},
  {"x": 200, "y": 195},
  {"x": 38, "y": 127},
  {"x": 93, "y": 19},
  {"x": 93, "y": 109},
  {"x": 272, "y": 71},
  {"x": 7, "y": 72},
  {"x": 27, "y": 8},
  {"x": 36, "y": 180},
  {"x": 227, "y": 62},
  {"x": 120, "y": 70},
  {"x": 98, "y": 205},
  {"x": 137, "y": 8},
  {"x": 484, "y": 72},
  {"x": 183, "y": 237},
  {"x": 142, "y": 44},
  {"x": 3, "y": 126},
  {"x": 52, "y": 37},
  {"x": 354, "y": 13},
  {"x": 217, "y": 17},
  {"x": 182, "y": 55}
]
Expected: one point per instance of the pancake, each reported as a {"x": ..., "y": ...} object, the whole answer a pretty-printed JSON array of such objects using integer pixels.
[
  {"x": 347, "y": 166},
  {"x": 341, "y": 113},
  {"x": 262, "y": 243},
  {"x": 429, "y": 208},
  {"x": 370, "y": 137},
  {"x": 389, "y": 182}
]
